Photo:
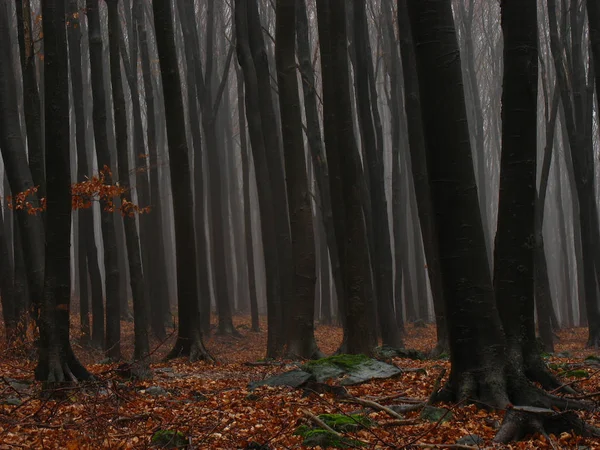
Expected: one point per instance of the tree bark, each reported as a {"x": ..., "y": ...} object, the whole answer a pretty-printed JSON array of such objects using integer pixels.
[
  {"x": 109, "y": 239},
  {"x": 189, "y": 338}
]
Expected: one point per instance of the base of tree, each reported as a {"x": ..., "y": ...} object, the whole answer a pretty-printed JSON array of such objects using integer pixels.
[
  {"x": 520, "y": 422},
  {"x": 60, "y": 367},
  {"x": 593, "y": 341},
  {"x": 494, "y": 389},
  {"x": 228, "y": 329},
  {"x": 193, "y": 348},
  {"x": 441, "y": 348},
  {"x": 138, "y": 370},
  {"x": 300, "y": 350}
]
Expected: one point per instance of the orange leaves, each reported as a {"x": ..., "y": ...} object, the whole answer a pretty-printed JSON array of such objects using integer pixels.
[{"x": 83, "y": 194}]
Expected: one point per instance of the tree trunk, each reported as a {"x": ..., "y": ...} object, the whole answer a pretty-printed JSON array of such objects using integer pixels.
[
  {"x": 189, "y": 338},
  {"x": 109, "y": 237},
  {"x": 300, "y": 337},
  {"x": 373, "y": 151},
  {"x": 30, "y": 226},
  {"x": 88, "y": 256},
  {"x": 246, "y": 202},
  {"x": 265, "y": 187},
  {"x": 136, "y": 276},
  {"x": 419, "y": 169},
  {"x": 358, "y": 307},
  {"x": 57, "y": 362}
]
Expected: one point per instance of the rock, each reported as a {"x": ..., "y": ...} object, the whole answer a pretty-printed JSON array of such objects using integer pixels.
[
  {"x": 565, "y": 354},
  {"x": 293, "y": 378},
  {"x": 156, "y": 391},
  {"x": 350, "y": 369},
  {"x": 433, "y": 414},
  {"x": 169, "y": 439},
  {"x": 13, "y": 401},
  {"x": 20, "y": 386},
  {"x": 470, "y": 439},
  {"x": 390, "y": 352}
]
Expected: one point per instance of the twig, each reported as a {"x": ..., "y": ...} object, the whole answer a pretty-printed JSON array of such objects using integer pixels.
[
  {"x": 320, "y": 423},
  {"x": 375, "y": 406},
  {"x": 554, "y": 391},
  {"x": 399, "y": 423}
]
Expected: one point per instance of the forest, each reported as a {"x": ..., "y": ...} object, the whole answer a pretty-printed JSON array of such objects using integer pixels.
[{"x": 281, "y": 224}]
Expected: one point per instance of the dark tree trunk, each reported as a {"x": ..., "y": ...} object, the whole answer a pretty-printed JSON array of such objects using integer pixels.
[
  {"x": 315, "y": 143},
  {"x": 136, "y": 276},
  {"x": 418, "y": 159},
  {"x": 246, "y": 202},
  {"x": 514, "y": 252},
  {"x": 109, "y": 237},
  {"x": 88, "y": 252},
  {"x": 270, "y": 130},
  {"x": 265, "y": 196},
  {"x": 344, "y": 165},
  {"x": 160, "y": 311},
  {"x": 30, "y": 226},
  {"x": 373, "y": 150},
  {"x": 31, "y": 96},
  {"x": 57, "y": 362},
  {"x": 300, "y": 336},
  {"x": 189, "y": 338},
  {"x": 577, "y": 102},
  {"x": 9, "y": 307}
]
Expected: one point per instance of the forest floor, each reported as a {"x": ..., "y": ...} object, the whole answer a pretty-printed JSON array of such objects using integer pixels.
[{"x": 211, "y": 406}]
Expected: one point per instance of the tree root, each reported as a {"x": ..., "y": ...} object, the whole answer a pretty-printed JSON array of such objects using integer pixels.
[
  {"x": 192, "y": 348},
  {"x": 522, "y": 421}
]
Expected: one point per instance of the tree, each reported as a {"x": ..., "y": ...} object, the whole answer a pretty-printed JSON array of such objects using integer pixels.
[
  {"x": 346, "y": 181},
  {"x": 300, "y": 339},
  {"x": 481, "y": 368},
  {"x": 141, "y": 347},
  {"x": 109, "y": 237},
  {"x": 189, "y": 336},
  {"x": 57, "y": 362}
]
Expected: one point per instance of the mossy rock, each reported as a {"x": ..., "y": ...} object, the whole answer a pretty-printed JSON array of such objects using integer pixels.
[
  {"x": 387, "y": 352},
  {"x": 433, "y": 414},
  {"x": 169, "y": 439},
  {"x": 343, "y": 422},
  {"x": 352, "y": 369},
  {"x": 314, "y": 437},
  {"x": 577, "y": 373}
]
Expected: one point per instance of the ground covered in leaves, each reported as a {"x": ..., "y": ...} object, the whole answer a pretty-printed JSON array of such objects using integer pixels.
[{"x": 209, "y": 406}]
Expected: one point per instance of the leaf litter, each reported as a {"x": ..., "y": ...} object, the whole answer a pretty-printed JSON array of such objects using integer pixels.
[{"x": 209, "y": 406}]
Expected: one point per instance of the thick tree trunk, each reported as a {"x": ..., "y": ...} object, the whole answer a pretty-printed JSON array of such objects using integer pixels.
[
  {"x": 109, "y": 239},
  {"x": 56, "y": 362},
  {"x": 136, "y": 276},
  {"x": 300, "y": 336},
  {"x": 344, "y": 161},
  {"x": 265, "y": 186},
  {"x": 189, "y": 338},
  {"x": 9, "y": 308}
]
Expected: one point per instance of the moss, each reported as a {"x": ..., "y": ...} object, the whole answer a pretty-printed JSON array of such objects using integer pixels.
[
  {"x": 350, "y": 422},
  {"x": 323, "y": 438},
  {"x": 343, "y": 361},
  {"x": 576, "y": 373},
  {"x": 169, "y": 439}
]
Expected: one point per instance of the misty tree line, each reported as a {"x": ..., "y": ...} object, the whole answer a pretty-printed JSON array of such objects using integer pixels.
[{"x": 372, "y": 163}]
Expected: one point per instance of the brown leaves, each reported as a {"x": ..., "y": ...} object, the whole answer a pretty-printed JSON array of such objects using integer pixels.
[{"x": 83, "y": 194}]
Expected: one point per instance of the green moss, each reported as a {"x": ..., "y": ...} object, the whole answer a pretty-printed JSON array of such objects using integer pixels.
[
  {"x": 343, "y": 361},
  {"x": 323, "y": 438},
  {"x": 577, "y": 373},
  {"x": 350, "y": 422},
  {"x": 169, "y": 439}
]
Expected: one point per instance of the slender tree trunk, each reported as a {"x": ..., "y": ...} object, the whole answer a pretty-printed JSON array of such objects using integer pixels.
[
  {"x": 109, "y": 237},
  {"x": 189, "y": 338},
  {"x": 300, "y": 338},
  {"x": 246, "y": 202},
  {"x": 136, "y": 276},
  {"x": 565, "y": 269},
  {"x": 88, "y": 256}
]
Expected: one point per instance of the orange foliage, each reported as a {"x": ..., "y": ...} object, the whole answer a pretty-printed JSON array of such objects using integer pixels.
[{"x": 82, "y": 195}]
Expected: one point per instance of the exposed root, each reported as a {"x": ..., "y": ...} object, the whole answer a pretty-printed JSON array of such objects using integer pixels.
[
  {"x": 192, "y": 348},
  {"x": 537, "y": 372},
  {"x": 520, "y": 422}
]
